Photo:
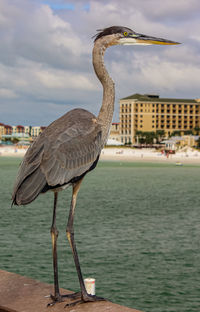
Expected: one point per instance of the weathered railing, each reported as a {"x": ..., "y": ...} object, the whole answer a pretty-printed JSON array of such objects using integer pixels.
[{"x": 22, "y": 294}]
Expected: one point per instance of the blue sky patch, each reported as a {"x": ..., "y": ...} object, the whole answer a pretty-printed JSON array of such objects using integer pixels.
[{"x": 60, "y": 6}]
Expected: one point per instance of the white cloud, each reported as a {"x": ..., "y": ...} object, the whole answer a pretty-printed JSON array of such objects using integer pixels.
[
  {"x": 45, "y": 55},
  {"x": 63, "y": 80}
]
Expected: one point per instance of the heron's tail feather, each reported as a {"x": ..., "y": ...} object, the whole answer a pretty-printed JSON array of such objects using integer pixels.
[{"x": 30, "y": 188}]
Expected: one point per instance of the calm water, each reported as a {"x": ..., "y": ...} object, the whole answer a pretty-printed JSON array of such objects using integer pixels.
[{"x": 137, "y": 229}]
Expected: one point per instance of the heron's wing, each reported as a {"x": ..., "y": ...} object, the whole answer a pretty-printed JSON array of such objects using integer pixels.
[
  {"x": 30, "y": 180},
  {"x": 72, "y": 152},
  {"x": 65, "y": 150}
]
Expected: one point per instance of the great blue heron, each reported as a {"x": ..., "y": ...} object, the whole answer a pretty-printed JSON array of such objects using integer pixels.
[{"x": 70, "y": 147}]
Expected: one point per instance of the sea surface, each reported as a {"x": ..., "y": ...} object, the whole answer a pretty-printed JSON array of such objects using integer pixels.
[{"x": 137, "y": 228}]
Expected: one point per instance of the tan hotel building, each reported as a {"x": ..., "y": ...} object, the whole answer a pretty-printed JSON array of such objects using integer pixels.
[{"x": 149, "y": 112}]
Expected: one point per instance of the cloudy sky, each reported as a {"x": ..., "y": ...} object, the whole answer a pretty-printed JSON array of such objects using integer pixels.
[{"x": 45, "y": 54}]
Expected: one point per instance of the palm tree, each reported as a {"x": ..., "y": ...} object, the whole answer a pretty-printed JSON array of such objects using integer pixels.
[
  {"x": 160, "y": 134},
  {"x": 197, "y": 130}
]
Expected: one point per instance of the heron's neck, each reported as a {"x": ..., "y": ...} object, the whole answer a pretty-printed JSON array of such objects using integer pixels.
[{"x": 107, "y": 108}]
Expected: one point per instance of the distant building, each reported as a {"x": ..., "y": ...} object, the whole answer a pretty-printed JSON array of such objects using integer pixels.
[
  {"x": 1, "y": 130},
  {"x": 35, "y": 131},
  {"x": 176, "y": 142},
  {"x": 114, "y": 132},
  {"x": 42, "y": 128},
  {"x": 20, "y": 129},
  {"x": 149, "y": 112},
  {"x": 27, "y": 129},
  {"x": 7, "y": 130},
  {"x": 19, "y": 132}
]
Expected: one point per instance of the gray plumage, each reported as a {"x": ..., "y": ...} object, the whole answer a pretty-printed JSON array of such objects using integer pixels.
[{"x": 66, "y": 149}]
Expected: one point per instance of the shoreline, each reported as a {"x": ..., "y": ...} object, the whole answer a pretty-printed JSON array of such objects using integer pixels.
[
  {"x": 152, "y": 160},
  {"x": 151, "y": 156},
  {"x": 126, "y": 155}
]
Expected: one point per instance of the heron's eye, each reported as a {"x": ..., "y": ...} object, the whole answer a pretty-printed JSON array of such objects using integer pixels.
[{"x": 125, "y": 34}]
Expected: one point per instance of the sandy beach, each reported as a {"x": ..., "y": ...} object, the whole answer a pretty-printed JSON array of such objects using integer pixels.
[
  {"x": 148, "y": 155},
  {"x": 126, "y": 154},
  {"x": 12, "y": 151}
]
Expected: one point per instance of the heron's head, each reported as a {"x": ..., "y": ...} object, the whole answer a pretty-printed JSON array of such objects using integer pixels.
[{"x": 125, "y": 36}]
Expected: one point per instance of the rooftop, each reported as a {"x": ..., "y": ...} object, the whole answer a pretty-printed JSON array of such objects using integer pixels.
[{"x": 156, "y": 98}]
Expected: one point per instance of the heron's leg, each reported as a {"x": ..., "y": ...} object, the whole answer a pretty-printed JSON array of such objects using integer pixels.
[
  {"x": 54, "y": 237},
  {"x": 70, "y": 232},
  {"x": 85, "y": 297}
]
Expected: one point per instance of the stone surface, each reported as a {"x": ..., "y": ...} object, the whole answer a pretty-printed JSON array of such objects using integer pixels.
[{"x": 22, "y": 294}]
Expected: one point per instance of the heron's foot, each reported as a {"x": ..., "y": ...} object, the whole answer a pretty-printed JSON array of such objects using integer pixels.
[
  {"x": 55, "y": 299},
  {"x": 61, "y": 298},
  {"x": 73, "y": 295},
  {"x": 86, "y": 298}
]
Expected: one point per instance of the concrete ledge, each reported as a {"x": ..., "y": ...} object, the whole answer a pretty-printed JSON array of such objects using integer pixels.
[{"x": 22, "y": 294}]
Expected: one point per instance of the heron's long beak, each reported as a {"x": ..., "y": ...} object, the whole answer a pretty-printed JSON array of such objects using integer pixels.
[{"x": 144, "y": 40}]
